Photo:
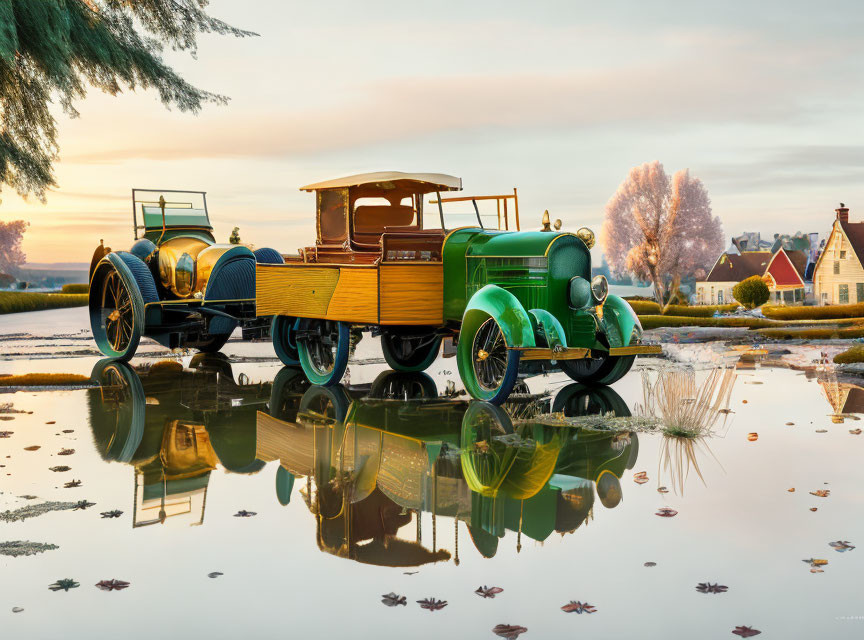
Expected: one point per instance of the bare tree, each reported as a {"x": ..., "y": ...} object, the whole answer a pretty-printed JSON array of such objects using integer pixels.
[{"x": 660, "y": 229}]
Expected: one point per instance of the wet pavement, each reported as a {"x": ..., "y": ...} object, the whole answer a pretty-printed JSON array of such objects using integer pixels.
[{"x": 308, "y": 505}]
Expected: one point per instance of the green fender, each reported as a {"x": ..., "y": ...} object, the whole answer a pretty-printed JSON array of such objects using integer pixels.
[
  {"x": 548, "y": 326},
  {"x": 620, "y": 323},
  {"x": 508, "y": 312}
]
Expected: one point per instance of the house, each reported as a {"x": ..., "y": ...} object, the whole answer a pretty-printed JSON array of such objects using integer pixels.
[
  {"x": 839, "y": 275},
  {"x": 783, "y": 273}
]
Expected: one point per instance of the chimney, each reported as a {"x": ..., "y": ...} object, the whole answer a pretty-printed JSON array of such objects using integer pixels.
[{"x": 842, "y": 213}]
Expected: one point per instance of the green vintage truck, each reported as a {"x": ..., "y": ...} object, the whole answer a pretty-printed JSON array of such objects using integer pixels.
[{"x": 512, "y": 301}]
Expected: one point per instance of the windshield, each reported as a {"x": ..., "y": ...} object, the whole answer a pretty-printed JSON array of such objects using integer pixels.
[
  {"x": 182, "y": 208},
  {"x": 488, "y": 212}
]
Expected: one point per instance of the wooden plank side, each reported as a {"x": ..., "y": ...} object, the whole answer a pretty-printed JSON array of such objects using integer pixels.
[
  {"x": 412, "y": 294},
  {"x": 297, "y": 290},
  {"x": 356, "y": 296}
]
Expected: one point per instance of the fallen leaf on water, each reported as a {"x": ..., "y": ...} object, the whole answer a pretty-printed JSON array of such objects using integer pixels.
[
  {"x": 815, "y": 564},
  {"x": 51, "y": 422},
  {"x": 112, "y": 585},
  {"x": 855, "y": 432},
  {"x": 841, "y": 545},
  {"x": 508, "y": 631},
  {"x": 72, "y": 484},
  {"x": 662, "y": 490},
  {"x": 68, "y": 430},
  {"x": 792, "y": 490},
  {"x": 245, "y": 514},
  {"x": 116, "y": 513},
  {"x": 821, "y": 493},
  {"x": 707, "y": 587},
  {"x": 391, "y": 599},
  {"x": 821, "y": 430},
  {"x": 409, "y": 573},
  {"x": 488, "y": 592},
  {"x": 666, "y": 512},
  {"x": 752, "y": 436},
  {"x": 640, "y": 477},
  {"x": 574, "y": 606},
  {"x": 482, "y": 446},
  {"x": 82, "y": 504},
  {"x": 813, "y": 509},
  {"x": 650, "y": 564},
  {"x": 6, "y": 434},
  {"x": 34, "y": 447},
  {"x": 65, "y": 452},
  {"x": 60, "y": 468},
  {"x": 432, "y": 604},
  {"x": 17, "y": 609},
  {"x": 725, "y": 411},
  {"x": 215, "y": 574},
  {"x": 746, "y": 632},
  {"x": 790, "y": 424},
  {"x": 63, "y": 585}
]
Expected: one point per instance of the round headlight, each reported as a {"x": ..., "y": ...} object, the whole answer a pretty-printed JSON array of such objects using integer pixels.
[
  {"x": 587, "y": 236},
  {"x": 579, "y": 293},
  {"x": 599, "y": 288}
]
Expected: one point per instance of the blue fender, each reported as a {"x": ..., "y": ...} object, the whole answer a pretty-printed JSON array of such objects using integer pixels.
[
  {"x": 548, "y": 326},
  {"x": 620, "y": 323}
]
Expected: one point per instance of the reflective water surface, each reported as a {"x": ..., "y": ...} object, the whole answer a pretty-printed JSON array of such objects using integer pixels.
[{"x": 313, "y": 502}]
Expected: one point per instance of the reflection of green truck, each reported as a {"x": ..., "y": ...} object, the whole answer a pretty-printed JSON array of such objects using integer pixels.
[{"x": 374, "y": 466}]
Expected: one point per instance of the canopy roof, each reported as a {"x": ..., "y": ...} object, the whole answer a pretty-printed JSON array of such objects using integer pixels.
[{"x": 435, "y": 181}]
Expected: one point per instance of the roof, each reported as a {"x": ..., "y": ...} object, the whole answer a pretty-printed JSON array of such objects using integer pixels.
[
  {"x": 855, "y": 233},
  {"x": 783, "y": 271},
  {"x": 735, "y": 268},
  {"x": 438, "y": 181},
  {"x": 799, "y": 260}
]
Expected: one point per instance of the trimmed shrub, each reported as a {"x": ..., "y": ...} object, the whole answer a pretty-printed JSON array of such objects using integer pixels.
[
  {"x": 811, "y": 333},
  {"x": 833, "y": 312},
  {"x": 653, "y": 322},
  {"x": 851, "y": 355},
  {"x": 19, "y": 301},
  {"x": 75, "y": 288},
  {"x": 644, "y": 307},
  {"x": 699, "y": 311},
  {"x": 43, "y": 380},
  {"x": 752, "y": 292}
]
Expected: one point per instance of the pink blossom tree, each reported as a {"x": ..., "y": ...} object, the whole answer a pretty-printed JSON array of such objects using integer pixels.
[
  {"x": 11, "y": 254},
  {"x": 660, "y": 229}
]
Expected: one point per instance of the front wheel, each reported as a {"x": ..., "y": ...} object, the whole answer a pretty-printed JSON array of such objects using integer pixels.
[
  {"x": 603, "y": 370},
  {"x": 323, "y": 347},
  {"x": 116, "y": 311},
  {"x": 410, "y": 353},
  {"x": 488, "y": 368}
]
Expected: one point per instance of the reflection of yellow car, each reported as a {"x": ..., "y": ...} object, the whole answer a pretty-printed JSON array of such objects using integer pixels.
[
  {"x": 174, "y": 426},
  {"x": 374, "y": 467}
]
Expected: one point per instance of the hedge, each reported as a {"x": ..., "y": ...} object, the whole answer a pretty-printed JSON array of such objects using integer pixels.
[
  {"x": 655, "y": 321},
  {"x": 813, "y": 333},
  {"x": 43, "y": 380},
  {"x": 18, "y": 301},
  {"x": 76, "y": 288},
  {"x": 644, "y": 307},
  {"x": 698, "y": 311},
  {"x": 833, "y": 312},
  {"x": 851, "y": 355}
]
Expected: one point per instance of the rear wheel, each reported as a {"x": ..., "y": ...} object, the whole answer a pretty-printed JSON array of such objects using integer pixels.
[
  {"x": 323, "y": 347},
  {"x": 410, "y": 353},
  {"x": 488, "y": 367},
  {"x": 603, "y": 370},
  {"x": 283, "y": 331}
]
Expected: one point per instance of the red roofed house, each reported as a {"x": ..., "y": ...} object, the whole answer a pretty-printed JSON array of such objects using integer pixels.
[
  {"x": 839, "y": 276},
  {"x": 782, "y": 272}
]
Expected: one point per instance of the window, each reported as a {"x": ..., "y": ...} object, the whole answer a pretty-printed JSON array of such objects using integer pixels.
[
  {"x": 843, "y": 293},
  {"x": 788, "y": 296},
  {"x": 799, "y": 295},
  {"x": 842, "y": 255},
  {"x": 859, "y": 292},
  {"x": 836, "y": 267},
  {"x": 720, "y": 297}
]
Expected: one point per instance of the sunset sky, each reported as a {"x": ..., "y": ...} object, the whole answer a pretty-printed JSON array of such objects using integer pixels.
[{"x": 762, "y": 101}]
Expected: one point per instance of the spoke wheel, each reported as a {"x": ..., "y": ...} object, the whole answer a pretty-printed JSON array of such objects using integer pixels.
[
  {"x": 488, "y": 368},
  {"x": 323, "y": 347},
  {"x": 116, "y": 310},
  {"x": 117, "y": 315}
]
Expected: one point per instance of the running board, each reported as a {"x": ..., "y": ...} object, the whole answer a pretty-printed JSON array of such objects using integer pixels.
[{"x": 578, "y": 353}]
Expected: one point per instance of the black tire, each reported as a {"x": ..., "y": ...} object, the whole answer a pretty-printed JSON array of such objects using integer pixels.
[
  {"x": 603, "y": 370},
  {"x": 399, "y": 385},
  {"x": 282, "y": 331},
  {"x": 409, "y": 354},
  {"x": 487, "y": 367}
]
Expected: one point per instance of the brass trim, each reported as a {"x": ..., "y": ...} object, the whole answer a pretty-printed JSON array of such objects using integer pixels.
[{"x": 541, "y": 353}]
